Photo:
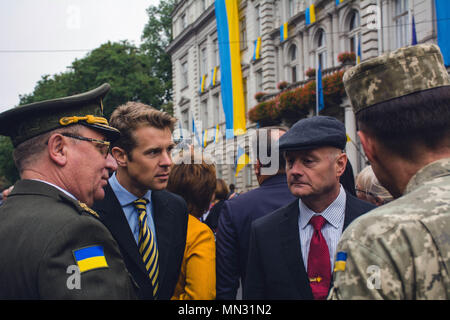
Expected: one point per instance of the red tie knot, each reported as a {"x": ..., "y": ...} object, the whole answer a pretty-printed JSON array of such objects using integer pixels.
[{"x": 317, "y": 222}]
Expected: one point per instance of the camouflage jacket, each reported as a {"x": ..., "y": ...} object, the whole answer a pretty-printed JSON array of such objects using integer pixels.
[{"x": 402, "y": 249}]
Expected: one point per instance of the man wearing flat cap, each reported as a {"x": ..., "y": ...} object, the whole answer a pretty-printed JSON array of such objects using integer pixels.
[
  {"x": 401, "y": 249},
  {"x": 292, "y": 249},
  {"x": 53, "y": 244}
]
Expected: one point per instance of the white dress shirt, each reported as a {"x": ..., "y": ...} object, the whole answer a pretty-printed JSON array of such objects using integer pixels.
[{"x": 332, "y": 230}]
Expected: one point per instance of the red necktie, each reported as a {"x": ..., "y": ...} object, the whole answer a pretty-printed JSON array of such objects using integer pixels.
[{"x": 319, "y": 268}]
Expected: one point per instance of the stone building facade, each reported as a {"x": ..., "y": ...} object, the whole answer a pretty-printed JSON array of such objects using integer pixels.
[{"x": 378, "y": 25}]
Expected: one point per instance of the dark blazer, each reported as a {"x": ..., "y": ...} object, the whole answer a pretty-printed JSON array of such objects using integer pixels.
[
  {"x": 170, "y": 217},
  {"x": 41, "y": 229},
  {"x": 233, "y": 233},
  {"x": 212, "y": 220},
  {"x": 275, "y": 266}
]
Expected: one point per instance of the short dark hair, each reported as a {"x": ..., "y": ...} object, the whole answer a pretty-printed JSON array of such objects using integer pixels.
[{"x": 403, "y": 124}]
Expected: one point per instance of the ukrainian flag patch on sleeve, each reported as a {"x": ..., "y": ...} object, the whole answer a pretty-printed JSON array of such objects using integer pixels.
[
  {"x": 90, "y": 258},
  {"x": 341, "y": 260}
]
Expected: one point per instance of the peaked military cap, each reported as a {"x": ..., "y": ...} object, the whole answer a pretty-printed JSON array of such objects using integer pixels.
[
  {"x": 395, "y": 74},
  {"x": 27, "y": 121},
  {"x": 314, "y": 132}
]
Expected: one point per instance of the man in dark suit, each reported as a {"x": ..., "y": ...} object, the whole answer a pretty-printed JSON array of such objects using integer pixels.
[
  {"x": 148, "y": 223},
  {"x": 237, "y": 214},
  {"x": 53, "y": 244},
  {"x": 292, "y": 250}
]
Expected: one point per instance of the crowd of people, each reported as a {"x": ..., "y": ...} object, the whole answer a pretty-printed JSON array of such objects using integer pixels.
[{"x": 106, "y": 210}]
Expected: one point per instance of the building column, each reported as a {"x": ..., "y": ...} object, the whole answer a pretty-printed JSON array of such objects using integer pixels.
[{"x": 350, "y": 127}]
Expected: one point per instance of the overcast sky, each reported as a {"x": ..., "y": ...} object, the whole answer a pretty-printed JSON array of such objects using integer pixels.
[{"x": 39, "y": 37}]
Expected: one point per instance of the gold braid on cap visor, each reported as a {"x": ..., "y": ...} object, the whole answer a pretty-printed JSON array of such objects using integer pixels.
[{"x": 65, "y": 121}]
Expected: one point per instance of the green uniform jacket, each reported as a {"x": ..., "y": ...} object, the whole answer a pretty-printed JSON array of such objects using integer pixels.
[
  {"x": 400, "y": 250},
  {"x": 53, "y": 247}
]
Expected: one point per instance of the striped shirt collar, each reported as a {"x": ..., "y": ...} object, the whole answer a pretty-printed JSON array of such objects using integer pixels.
[{"x": 334, "y": 213}]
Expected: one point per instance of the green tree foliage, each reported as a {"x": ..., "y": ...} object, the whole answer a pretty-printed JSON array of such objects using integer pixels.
[
  {"x": 135, "y": 74},
  {"x": 8, "y": 171},
  {"x": 156, "y": 36},
  {"x": 121, "y": 64}
]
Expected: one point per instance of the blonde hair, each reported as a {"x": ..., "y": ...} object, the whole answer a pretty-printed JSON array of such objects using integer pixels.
[{"x": 367, "y": 182}]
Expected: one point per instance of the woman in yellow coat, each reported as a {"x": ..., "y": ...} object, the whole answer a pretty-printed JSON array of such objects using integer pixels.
[{"x": 196, "y": 182}]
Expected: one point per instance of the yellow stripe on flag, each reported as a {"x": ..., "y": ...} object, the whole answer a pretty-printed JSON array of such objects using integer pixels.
[
  {"x": 92, "y": 263},
  {"x": 239, "y": 125},
  {"x": 339, "y": 266},
  {"x": 312, "y": 12}
]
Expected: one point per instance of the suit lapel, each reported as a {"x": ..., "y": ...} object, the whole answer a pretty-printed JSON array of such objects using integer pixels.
[
  {"x": 113, "y": 217},
  {"x": 164, "y": 234},
  {"x": 290, "y": 244},
  {"x": 352, "y": 211}
]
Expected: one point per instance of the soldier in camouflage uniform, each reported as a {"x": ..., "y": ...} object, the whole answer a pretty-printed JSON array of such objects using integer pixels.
[{"x": 401, "y": 250}]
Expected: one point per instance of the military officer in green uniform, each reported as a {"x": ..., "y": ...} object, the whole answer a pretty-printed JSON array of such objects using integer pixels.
[
  {"x": 52, "y": 244},
  {"x": 401, "y": 249}
]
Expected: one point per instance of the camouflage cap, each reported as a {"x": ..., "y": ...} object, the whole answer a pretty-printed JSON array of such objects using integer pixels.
[
  {"x": 27, "y": 121},
  {"x": 395, "y": 74}
]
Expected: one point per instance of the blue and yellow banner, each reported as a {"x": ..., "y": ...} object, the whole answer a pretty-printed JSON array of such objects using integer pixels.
[
  {"x": 213, "y": 77},
  {"x": 216, "y": 136},
  {"x": 205, "y": 138},
  {"x": 195, "y": 132},
  {"x": 202, "y": 83},
  {"x": 232, "y": 89},
  {"x": 310, "y": 15},
  {"x": 338, "y": 2},
  {"x": 443, "y": 28},
  {"x": 358, "y": 54},
  {"x": 256, "y": 53},
  {"x": 284, "y": 32},
  {"x": 90, "y": 258},
  {"x": 242, "y": 159},
  {"x": 319, "y": 89}
]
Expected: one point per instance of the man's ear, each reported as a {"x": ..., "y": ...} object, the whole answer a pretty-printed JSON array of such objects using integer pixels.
[
  {"x": 341, "y": 163},
  {"x": 120, "y": 155},
  {"x": 369, "y": 145},
  {"x": 57, "y": 148},
  {"x": 257, "y": 168}
]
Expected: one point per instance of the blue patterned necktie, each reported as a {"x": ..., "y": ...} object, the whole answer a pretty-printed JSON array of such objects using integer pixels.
[{"x": 147, "y": 245}]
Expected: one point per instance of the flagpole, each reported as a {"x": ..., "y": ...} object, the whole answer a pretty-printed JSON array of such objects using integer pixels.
[{"x": 317, "y": 79}]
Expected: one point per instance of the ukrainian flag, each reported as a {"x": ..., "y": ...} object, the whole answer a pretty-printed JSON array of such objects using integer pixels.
[
  {"x": 216, "y": 136},
  {"x": 358, "y": 56},
  {"x": 341, "y": 260},
  {"x": 90, "y": 258},
  {"x": 227, "y": 19},
  {"x": 257, "y": 49},
  {"x": 283, "y": 32},
  {"x": 242, "y": 159},
  {"x": 205, "y": 138},
  {"x": 310, "y": 15},
  {"x": 213, "y": 78},
  {"x": 338, "y": 2},
  {"x": 202, "y": 83},
  {"x": 195, "y": 132}
]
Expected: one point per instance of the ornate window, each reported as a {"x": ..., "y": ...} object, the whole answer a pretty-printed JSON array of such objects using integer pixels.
[
  {"x": 321, "y": 49},
  {"x": 293, "y": 62},
  {"x": 354, "y": 31},
  {"x": 401, "y": 22}
]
